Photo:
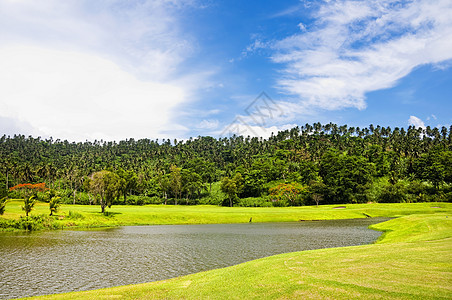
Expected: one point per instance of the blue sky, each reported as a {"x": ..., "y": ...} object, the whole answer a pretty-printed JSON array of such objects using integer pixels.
[{"x": 111, "y": 70}]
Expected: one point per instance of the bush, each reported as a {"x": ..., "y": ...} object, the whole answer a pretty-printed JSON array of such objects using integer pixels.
[
  {"x": 280, "y": 203},
  {"x": 30, "y": 223},
  {"x": 7, "y": 223},
  {"x": 213, "y": 199},
  {"x": 393, "y": 193},
  {"x": 447, "y": 197},
  {"x": 75, "y": 215},
  {"x": 254, "y": 202},
  {"x": 67, "y": 197},
  {"x": 143, "y": 200}
]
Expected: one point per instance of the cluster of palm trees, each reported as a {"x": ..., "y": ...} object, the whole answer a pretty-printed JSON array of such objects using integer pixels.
[{"x": 64, "y": 165}]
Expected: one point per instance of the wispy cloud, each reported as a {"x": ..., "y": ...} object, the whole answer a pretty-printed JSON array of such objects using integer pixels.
[
  {"x": 356, "y": 47},
  {"x": 208, "y": 124}
]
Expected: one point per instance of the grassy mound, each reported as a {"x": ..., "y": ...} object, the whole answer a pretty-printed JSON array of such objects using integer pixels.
[{"x": 413, "y": 260}]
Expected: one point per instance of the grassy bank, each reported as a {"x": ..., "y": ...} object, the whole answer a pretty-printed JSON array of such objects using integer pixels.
[
  {"x": 413, "y": 260},
  {"x": 89, "y": 216}
]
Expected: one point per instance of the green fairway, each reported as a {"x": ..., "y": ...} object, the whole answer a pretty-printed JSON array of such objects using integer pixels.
[
  {"x": 413, "y": 260},
  {"x": 89, "y": 215}
]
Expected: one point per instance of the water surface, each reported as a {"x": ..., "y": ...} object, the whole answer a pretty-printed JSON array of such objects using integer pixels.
[{"x": 62, "y": 261}]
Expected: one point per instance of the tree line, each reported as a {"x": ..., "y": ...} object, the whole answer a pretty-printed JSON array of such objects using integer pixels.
[{"x": 310, "y": 164}]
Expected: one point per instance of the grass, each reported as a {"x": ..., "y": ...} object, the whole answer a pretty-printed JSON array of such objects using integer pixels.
[
  {"x": 413, "y": 260},
  {"x": 89, "y": 216}
]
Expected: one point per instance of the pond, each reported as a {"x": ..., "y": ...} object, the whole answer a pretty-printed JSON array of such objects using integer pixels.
[{"x": 51, "y": 262}]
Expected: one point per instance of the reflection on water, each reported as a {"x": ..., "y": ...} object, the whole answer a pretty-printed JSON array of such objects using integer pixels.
[{"x": 62, "y": 261}]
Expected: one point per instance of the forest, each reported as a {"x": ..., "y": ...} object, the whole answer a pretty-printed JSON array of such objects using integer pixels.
[{"x": 306, "y": 165}]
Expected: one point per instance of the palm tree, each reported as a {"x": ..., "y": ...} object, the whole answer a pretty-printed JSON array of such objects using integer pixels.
[
  {"x": 29, "y": 203},
  {"x": 54, "y": 204}
]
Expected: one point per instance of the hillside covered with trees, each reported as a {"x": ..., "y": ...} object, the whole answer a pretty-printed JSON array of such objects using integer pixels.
[{"x": 307, "y": 165}]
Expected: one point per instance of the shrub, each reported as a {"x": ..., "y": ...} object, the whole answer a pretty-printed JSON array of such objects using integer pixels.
[
  {"x": 254, "y": 202},
  {"x": 75, "y": 215},
  {"x": 143, "y": 200},
  {"x": 393, "y": 193},
  {"x": 280, "y": 203},
  {"x": 31, "y": 223}
]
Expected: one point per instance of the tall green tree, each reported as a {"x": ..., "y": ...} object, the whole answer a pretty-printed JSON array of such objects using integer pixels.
[
  {"x": 346, "y": 176},
  {"x": 106, "y": 186},
  {"x": 176, "y": 182},
  {"x": 433, "y": 166},
  {"x": 231, "y": 187},
  {"x": 129, "y": 180}
]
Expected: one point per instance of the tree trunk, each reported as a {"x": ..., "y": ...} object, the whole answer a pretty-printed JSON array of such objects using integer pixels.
[{"x": 102, "y": 205}]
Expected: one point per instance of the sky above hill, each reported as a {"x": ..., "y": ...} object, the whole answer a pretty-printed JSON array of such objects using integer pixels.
[{"x": 112, "y": 70}]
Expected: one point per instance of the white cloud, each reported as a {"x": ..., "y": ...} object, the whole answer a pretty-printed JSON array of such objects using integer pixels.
[
  {"x": 416, "y": 122},
  {"x": 356, "y": 47},
  {"x": 89, "y": 70},
  {"x": 240, "y": 128},
  {"x": 144, "y": 36},
  {"x": 79, "y": 96}
]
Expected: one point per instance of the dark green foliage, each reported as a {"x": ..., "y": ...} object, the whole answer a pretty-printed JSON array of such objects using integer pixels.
[
  {"x": 3, "y": 205},
  {"x": 316, "y": 192},
  {"x": 231, "y": 187},
  {"x": 395, "y": 193},
  {"x": 143, "y": 200},
  {"x": 128, "y": 182},
  {"x": 303, "y": 154},
  {"x": 254, "y": 202},
  {"x": 346, "y": 177},
  {"x": 430, "y": 167},
  {"x": 175, "y": 182},
  {"x": 3, "y": 189}
]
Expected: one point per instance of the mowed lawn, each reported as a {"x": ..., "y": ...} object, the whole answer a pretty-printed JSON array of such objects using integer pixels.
[
  {"x": 90, "y": 216},
  {"x": 412, "y": 260}
]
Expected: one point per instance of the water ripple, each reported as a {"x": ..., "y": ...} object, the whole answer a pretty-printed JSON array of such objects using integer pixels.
[{"x": 63, "y": 261}]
